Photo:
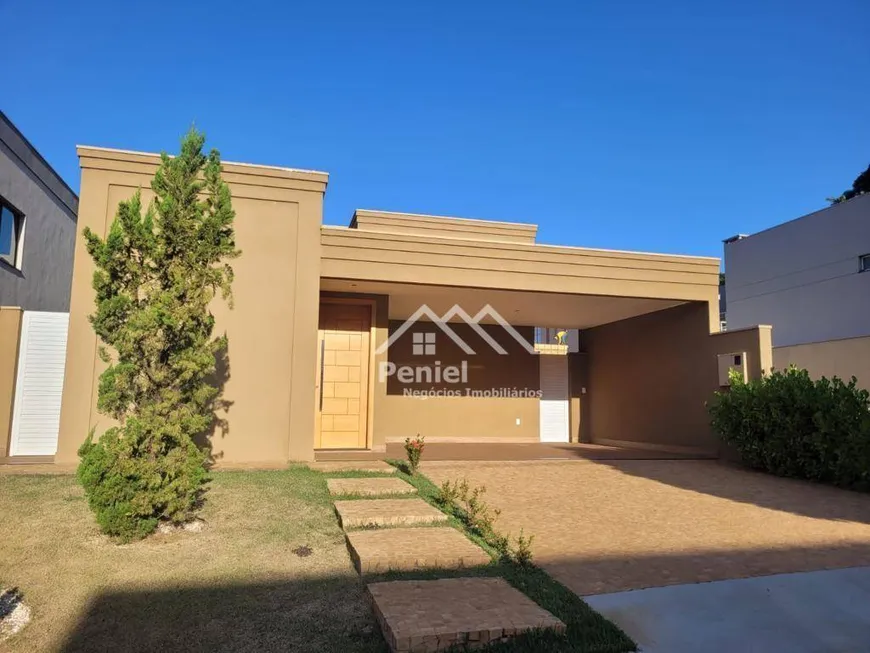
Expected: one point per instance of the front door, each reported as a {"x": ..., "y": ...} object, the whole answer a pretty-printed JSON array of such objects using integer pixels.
[{"x": 343, "y": 363}]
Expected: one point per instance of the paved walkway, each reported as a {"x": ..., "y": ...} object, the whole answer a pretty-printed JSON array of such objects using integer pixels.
[
  {"x": 418, "y": 616},
  {"x": 814, "y": 612},
  {"x": 620, "y": 525}
]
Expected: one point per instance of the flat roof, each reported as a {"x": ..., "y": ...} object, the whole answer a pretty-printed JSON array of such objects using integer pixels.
[
  {"x": 235, "y": 163},
  {"x": 43, "y": 170}
]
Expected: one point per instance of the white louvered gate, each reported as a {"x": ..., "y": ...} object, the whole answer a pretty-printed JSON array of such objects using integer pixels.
[
  {"x": 554, "y": 398},
  {"x": 39, "y": 383}
]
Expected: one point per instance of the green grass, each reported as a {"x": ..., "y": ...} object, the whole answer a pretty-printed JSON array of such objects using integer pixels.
[
  {"x": 587, "y": 631},
  {"x": 237, "y": 586}
]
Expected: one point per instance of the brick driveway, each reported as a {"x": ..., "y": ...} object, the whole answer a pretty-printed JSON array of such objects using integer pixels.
[{"x": 629, "y": 524}]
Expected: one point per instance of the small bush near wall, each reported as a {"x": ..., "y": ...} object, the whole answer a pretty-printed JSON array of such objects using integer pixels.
[{"x": 787, "y": 424}]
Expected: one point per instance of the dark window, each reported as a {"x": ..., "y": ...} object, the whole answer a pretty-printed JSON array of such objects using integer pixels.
[
  {"x": 11, "y": 225},
  {"x": 864, "y": 263}
]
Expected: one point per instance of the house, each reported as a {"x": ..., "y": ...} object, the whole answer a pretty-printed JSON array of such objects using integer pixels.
[
  {"x": 37, "y": 227},
  {"x": 37, "y": 238},
  {"x": 810, "y": 279},
  {"x": 346, "y": 338}
]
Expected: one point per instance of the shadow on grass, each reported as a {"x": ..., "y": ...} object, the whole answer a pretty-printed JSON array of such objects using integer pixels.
[{"x": 326, "y": 614}]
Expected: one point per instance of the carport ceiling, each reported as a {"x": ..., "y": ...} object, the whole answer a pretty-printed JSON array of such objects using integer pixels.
[{"x": 518, "y": 308}]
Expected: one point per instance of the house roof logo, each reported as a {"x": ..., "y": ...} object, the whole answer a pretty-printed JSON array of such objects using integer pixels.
[{"x": 474, "y": 322}]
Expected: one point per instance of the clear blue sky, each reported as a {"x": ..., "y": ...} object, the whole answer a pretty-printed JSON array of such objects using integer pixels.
[{"x": 663, "y": 126}]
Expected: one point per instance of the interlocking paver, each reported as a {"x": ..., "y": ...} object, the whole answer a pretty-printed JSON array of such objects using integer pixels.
[
  {"x": 353, "y": 466},
  {"x": 413, "y": 548},
  {"x": 623, "y": 524},
  {"x": 387, "y": 512},
  {"x": 432, "y": 615},
  {"x": 369, "y": 486}
]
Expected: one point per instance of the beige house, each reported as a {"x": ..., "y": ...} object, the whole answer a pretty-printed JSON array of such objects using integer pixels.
[{"x": 322, "y": 355}]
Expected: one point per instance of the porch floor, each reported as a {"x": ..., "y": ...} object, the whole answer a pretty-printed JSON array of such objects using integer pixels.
[{"x": 510, "y": 451}]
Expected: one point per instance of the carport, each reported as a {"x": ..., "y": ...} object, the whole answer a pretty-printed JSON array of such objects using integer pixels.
[{"x": 637, "y": 375}]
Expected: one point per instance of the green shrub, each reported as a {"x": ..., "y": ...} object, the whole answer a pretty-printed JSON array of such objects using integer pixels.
[
  {"x": 790, "y": 425},
  {"x": 157, "y": 271},
  {"x": 128, "y": 493}
]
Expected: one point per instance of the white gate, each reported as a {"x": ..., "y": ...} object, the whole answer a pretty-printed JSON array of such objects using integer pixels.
[
  {"x": 39, "y": 384},
  {"x": 554, "y": 398}
]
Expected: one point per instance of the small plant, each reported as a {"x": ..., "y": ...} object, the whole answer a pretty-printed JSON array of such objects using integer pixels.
[
  {"x": 414, "y": 450},
  {"x": 473, "y": 509},
  {"x": 448, "y": 494},
  {"x": 522, "y": 554}
]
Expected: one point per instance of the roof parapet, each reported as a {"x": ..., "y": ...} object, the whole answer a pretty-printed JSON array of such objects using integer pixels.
[{"x": 444, "y": 227}]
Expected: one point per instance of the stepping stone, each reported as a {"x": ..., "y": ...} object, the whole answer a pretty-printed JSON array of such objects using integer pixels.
[
  {"x": 369, "y": 486},
  {"x": 353, "y": 466},
  {"x": 387, "y": 512},
  {"x": 432, "y": 615},
  {"x": 412, "y": 548}
]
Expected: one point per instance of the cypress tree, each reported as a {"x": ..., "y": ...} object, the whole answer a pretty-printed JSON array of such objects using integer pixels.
[{"x": 157, "y": 272}]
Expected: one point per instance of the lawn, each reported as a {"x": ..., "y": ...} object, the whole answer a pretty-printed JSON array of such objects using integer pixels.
[
  {"x": 270, "y": 572},
  {"x": 237, "y": 586}
]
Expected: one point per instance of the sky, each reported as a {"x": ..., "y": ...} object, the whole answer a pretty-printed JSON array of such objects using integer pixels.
[{"x": 654, "y": 126}]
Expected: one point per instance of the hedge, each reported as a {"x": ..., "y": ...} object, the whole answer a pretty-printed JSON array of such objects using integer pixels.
[{"x": 788, "y": 424}]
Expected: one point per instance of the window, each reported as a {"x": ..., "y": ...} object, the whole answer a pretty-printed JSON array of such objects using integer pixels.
[
  {"x": 11, "y": 226},
  {"x": 864, "y": 263}
]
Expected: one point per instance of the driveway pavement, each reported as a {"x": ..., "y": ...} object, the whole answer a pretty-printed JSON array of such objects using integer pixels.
[
  {"x": 813, "y": 612},
  {"x": 609, "y": 526}
]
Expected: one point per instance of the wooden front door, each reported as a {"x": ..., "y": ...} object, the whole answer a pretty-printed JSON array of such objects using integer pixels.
[{"x": 343, "y": 378}]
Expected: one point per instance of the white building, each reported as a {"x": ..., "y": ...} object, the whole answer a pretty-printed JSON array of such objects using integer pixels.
[{"x": 810, "y": 279}]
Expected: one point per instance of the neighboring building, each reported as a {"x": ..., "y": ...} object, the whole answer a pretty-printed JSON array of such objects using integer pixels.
[
  {"x": 37, "y": 227},
  {"x": 809, "y": 279},
  {"x": 323, "y": 353}
]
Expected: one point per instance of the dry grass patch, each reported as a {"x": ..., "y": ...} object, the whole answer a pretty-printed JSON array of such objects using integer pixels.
[{"x": 236, "y": 586}]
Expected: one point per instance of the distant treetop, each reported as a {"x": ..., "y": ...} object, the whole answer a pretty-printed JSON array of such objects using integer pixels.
[{"x": 860, "y": 186}]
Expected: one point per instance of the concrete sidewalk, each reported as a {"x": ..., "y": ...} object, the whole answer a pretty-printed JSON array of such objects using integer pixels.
[{"x": 812, "y": 612}]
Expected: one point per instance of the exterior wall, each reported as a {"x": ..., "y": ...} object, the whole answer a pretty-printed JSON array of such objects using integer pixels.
[
  {"x": 29, "y": 184},
  {"x": 843, "y": 358},
  {"x": 464, "y": 417},
  {"x": 802, "y": 276},
  {"x": 269, "y": 375},
  {"x": 10, "y": 332},
  {"x": 395, "y": 416},
  {"x": 578, "y": 375},
  {"x": 429, "y": 225},
  {"x": 409, "y": 258},
  {"x": 650, "y": 377}
]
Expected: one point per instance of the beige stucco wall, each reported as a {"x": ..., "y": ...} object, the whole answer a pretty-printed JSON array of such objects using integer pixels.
[
  {"x": 650, "y": 377},
  {"x": 10, "y": 335},
  {"x": 844, "y": 358},
  {"x": 429, "y": 225},
  {"x": 270, "y": 379},
  {"x": 413, "y": 258},
  {"x": 270, "y": 376}
]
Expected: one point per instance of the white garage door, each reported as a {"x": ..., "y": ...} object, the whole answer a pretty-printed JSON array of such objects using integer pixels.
[
  {"x": 39, "y": 384},
  {"x": 554, "y": 398}
]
